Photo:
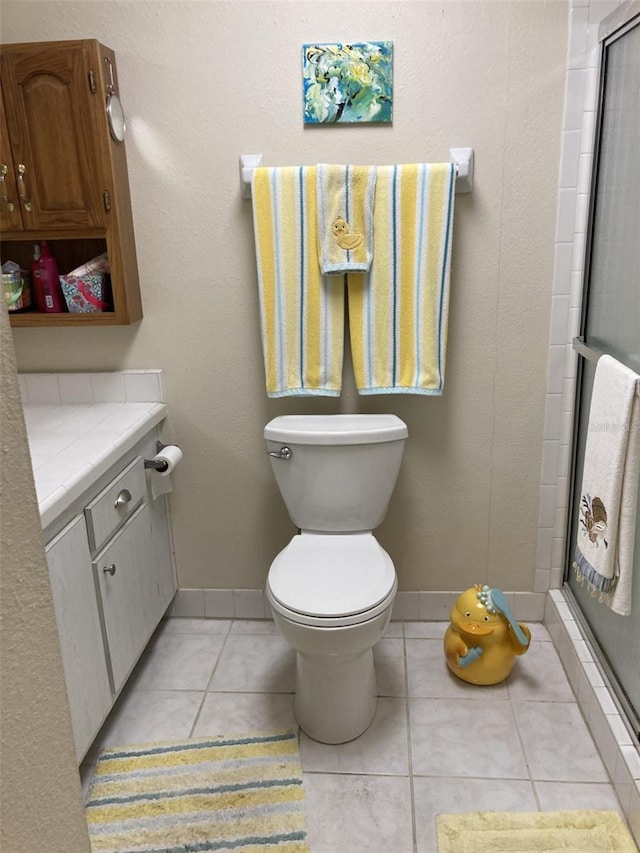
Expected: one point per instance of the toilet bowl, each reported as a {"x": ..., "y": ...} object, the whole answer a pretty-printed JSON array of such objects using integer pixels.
[
  {"x": 331, "y": 589},
  {"x": 331, "y": 597}
]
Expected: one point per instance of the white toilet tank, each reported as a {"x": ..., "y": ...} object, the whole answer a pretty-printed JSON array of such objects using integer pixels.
[{"x": 342, "y": 469}]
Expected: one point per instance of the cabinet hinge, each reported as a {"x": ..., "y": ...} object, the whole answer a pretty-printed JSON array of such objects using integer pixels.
[
  {"x": 92, "y": 81},
  {"x": 106, "y": 198}
]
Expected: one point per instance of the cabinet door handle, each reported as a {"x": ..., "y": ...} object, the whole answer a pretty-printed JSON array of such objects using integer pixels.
[
  {"x": 110, "y": 570},
  {"x": 123, "y": 499},
  {"x": 4, "y": 198},
  {"x": 21, "y": 187}
]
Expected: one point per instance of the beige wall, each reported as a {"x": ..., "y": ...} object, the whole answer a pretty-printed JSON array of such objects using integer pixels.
[
  {"x": 41, "y": 804},
  {"x": 204, "y": 82}
]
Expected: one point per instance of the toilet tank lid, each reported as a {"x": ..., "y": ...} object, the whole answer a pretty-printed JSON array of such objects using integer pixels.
[{"x": 335, "y": 429}]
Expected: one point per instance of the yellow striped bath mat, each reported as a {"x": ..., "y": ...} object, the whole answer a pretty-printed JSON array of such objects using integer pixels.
[{"x": 238, "y": 793}]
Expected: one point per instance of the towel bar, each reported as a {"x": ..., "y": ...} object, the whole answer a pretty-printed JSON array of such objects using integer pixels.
[
  {"x": 462, "y": 157},
  {"x": 592, "y": 354}
]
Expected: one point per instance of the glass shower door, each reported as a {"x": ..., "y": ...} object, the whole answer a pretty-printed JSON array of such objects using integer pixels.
[{"x": 612, "y": 318}]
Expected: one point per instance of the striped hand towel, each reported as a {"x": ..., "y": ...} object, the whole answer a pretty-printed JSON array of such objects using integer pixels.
[
  {"x": 608, "y": 502},
  {"x": 301, "y": 311},
  {"x": 345, "y": 217},
  {"x": 398, "y": 314}
]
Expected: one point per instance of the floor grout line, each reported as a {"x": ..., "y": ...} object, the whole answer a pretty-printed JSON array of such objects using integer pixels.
[
  {"x": 414, "y": 825},
  {"x": 206, "y": 691},
  {"x": 524, "y": 751}
]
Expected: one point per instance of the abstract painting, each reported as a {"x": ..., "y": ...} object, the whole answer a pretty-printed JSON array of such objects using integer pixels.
[{"x": 348, "y": 83}]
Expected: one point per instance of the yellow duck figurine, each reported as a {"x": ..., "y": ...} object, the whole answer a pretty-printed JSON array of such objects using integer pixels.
[
  {"x": 344, "y": 239},
  {"x": 483, "y": 639}
]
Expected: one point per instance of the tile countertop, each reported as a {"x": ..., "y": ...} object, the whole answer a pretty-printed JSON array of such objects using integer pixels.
[{"x": 74, "y": 442}]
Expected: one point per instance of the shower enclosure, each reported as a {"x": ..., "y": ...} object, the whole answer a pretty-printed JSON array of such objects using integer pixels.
[{"x": 611, "y": 319}]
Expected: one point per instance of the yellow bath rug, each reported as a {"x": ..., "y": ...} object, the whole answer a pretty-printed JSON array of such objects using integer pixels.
[
  {"x": 240, "y": 793},
  {"x": 534, "y": 832}
]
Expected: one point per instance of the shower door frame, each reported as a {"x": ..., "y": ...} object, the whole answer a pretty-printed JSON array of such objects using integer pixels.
[{"x": 614, "y": 27}]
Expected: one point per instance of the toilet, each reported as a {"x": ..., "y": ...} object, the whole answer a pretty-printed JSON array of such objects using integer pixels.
[{"x": 331, "y": 589}]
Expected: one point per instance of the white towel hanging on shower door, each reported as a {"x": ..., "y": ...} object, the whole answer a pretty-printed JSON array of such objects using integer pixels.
[{"x": 608, "y": 501}]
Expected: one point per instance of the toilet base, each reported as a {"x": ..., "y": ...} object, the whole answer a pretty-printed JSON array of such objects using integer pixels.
[
  {"x": 336, "y": 696},
  {"x": 336, "y": 689}
]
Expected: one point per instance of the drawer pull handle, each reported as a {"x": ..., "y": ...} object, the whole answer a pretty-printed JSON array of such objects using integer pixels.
[
  {"x": 110, "y": 570},
  {"x": 123, "y": 499}
]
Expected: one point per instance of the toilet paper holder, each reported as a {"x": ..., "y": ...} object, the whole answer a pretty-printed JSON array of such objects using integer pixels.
[{"x": 157, "y": 464}]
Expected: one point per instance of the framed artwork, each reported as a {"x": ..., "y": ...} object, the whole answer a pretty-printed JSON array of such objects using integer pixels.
[{"x": 348, "y": 83}]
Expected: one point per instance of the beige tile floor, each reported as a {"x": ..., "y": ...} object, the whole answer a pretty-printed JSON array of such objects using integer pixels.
[{"x": 436, "y": 744}]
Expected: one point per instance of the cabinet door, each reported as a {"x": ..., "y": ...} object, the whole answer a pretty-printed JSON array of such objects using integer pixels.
[
  {"x": 132, "y": 601},
  {"x": 77, "y": 615},
  {"x": 51, "y": 117},
  {"x": 10, "y": 216}
]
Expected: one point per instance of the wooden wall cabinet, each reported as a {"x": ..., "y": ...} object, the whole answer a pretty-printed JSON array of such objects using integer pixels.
[{"x": 63, "y": 177}]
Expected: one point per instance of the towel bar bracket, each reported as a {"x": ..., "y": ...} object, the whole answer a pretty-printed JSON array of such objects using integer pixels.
[
  {"x": 248, "y": 162},
  {"x": 462, "y": 157},
  {"x": 592, "y": 354}
]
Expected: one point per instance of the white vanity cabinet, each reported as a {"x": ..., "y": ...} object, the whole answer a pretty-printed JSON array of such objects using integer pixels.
[
  {"x": 112, "y": 579},
  {"x": 78, "y": 617}
]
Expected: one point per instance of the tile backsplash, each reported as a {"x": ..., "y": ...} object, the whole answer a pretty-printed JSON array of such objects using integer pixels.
[{"x": 120, "y": 386}]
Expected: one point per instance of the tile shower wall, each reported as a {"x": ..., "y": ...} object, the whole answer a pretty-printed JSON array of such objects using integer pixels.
[{"x": 573, "y": 195}]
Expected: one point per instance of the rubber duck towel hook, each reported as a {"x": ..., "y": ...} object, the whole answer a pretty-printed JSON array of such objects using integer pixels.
[{"x": 483, "y": 639}]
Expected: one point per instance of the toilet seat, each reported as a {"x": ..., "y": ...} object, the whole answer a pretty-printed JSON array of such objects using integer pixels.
[{"x": 331, "y": 580}]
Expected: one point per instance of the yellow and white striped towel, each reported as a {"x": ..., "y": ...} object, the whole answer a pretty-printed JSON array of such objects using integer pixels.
[
  {"x": 345, "y": 217},
  {"x": 301, "y": 311},
  {"x": 398, "y": 313}
]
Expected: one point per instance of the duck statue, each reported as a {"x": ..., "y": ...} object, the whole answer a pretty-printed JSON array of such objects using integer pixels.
[{"x": 483, "y": 639}]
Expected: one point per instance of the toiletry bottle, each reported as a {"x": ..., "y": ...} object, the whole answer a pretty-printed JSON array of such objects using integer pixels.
[{"x": 46, "y": 285}]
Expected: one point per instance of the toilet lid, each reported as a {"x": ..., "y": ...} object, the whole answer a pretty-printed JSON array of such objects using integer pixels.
[{"x": 332, "y": 575}]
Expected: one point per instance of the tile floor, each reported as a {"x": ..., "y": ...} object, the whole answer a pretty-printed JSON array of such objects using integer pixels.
[{"x": 436, "y": 744}]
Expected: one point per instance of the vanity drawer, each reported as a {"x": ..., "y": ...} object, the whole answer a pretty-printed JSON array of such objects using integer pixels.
[{"x": 115, "y": 504}]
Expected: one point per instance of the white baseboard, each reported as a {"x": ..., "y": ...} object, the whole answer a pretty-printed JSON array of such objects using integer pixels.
[{"x": 410, "y": 606}]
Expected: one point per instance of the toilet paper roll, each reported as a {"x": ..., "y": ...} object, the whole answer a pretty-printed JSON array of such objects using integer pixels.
[
  {"x": 171, "y": 455},
  {"x": 160, "y": 481}
]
